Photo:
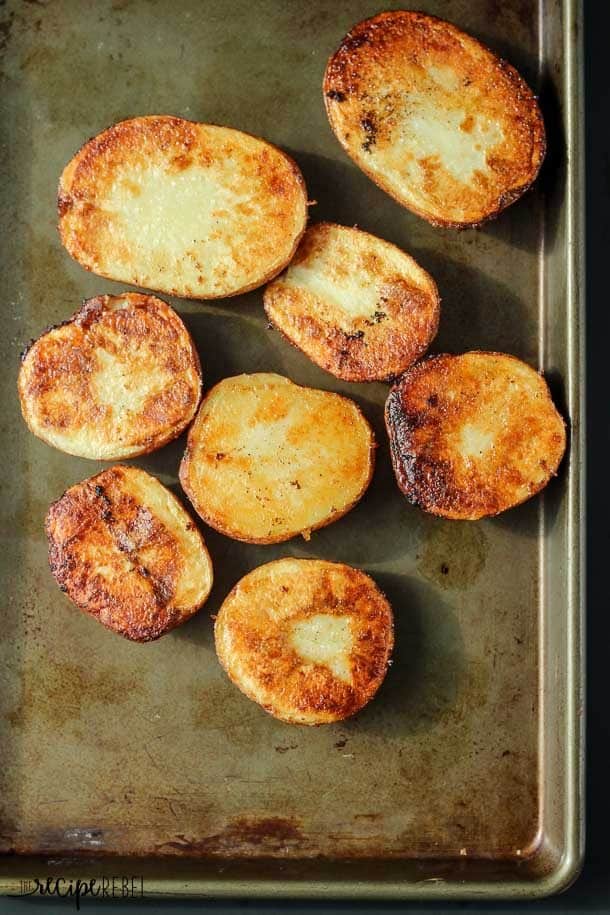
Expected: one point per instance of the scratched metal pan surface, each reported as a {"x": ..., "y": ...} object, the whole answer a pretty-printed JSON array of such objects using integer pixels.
[{"x": 463, "y": 776}]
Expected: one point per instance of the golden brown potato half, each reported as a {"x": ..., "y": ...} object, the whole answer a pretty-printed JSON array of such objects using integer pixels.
[
  {"x": 125, "y": 551},
  {"x": 358, "y": 306},
  {"x": 189, "y": 209},
  {"x": 473, "y": 435},
  {"x": 120, "y": 378},
  {"x": 433, "y": 117},
  {"x": 268, "y": 459},
  {"x": 308, "y": 640}
]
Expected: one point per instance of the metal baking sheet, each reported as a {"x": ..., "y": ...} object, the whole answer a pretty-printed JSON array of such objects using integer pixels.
[{"x": 464, "y": 776}]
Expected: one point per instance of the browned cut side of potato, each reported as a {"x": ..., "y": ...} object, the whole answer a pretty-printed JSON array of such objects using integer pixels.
[
  {"x": 125, "y": 551},
  {"x": 358, "y": 306},
  {"x": 189, "y": 209},
  {"x": 268, "y": 459},
  {"x": 120, "y": 378},
  {"x": 473, "y": 435},
  {"x": 308, "y": 640},
  {"x": 433, "y": 117}
]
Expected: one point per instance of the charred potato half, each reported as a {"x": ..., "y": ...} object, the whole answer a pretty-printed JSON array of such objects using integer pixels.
[
  {"x": 473, "y": 435},
  {"x": 308, "y": 640},
  {"x": 120, "y": 378},
  {"x": 125, "y": 551},
  {"x": 267, "y": 459},
  {"x": 189, "y": 209},
  {"x": 358, "y": 306},
  {"x": 433, "y": 117}
]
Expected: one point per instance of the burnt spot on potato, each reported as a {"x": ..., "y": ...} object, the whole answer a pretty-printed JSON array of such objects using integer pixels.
[{"x": 369, "y": 127}]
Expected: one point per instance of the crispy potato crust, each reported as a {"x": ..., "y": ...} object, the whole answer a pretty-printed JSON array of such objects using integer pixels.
[
  {"x": 434, "y": 118},
  {"x": 473, "y": 435},
  {"x": 125, "y": 551},
  {"x": 120, "y": 378},
  {"x": 306, "y": 639},
  {"x": 189, "y": 209},
  {"x": 359, "y": 307},
  {"x": 268, "y": 459}
]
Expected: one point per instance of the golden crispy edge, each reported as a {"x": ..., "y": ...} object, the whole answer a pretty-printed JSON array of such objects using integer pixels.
[
  {"x": 184, "y": 471},
  {"x": 135, "y": 297},
  {"x": 368, "y": 695},
  {"x": 69, "y": 171},
  {"x": 394, "y": 423},
  {"x": 354, "y": 37},
  {"x": 355, "y": 376},
  {"x": 134, "y": 634}
]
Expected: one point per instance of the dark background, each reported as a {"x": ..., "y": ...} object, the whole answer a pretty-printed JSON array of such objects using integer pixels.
[{"x": 591, "y": 892}]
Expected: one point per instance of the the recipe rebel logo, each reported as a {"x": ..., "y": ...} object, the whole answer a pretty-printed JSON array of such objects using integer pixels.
[{"x": 112, "y": 887}]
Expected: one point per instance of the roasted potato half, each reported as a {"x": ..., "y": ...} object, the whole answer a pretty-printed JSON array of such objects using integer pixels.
[
  {"x": 358, "y": 306},
  {"x": 433, "y": 117},
  {"x": 473, "y": 435},
  {"x": 120, "y": 378},
  {"x": 268, "y": 459},
  {"x": 193, "y": 210},
  {"x": 308, "y": 640},
  {"x": 125, "y": 551}
]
